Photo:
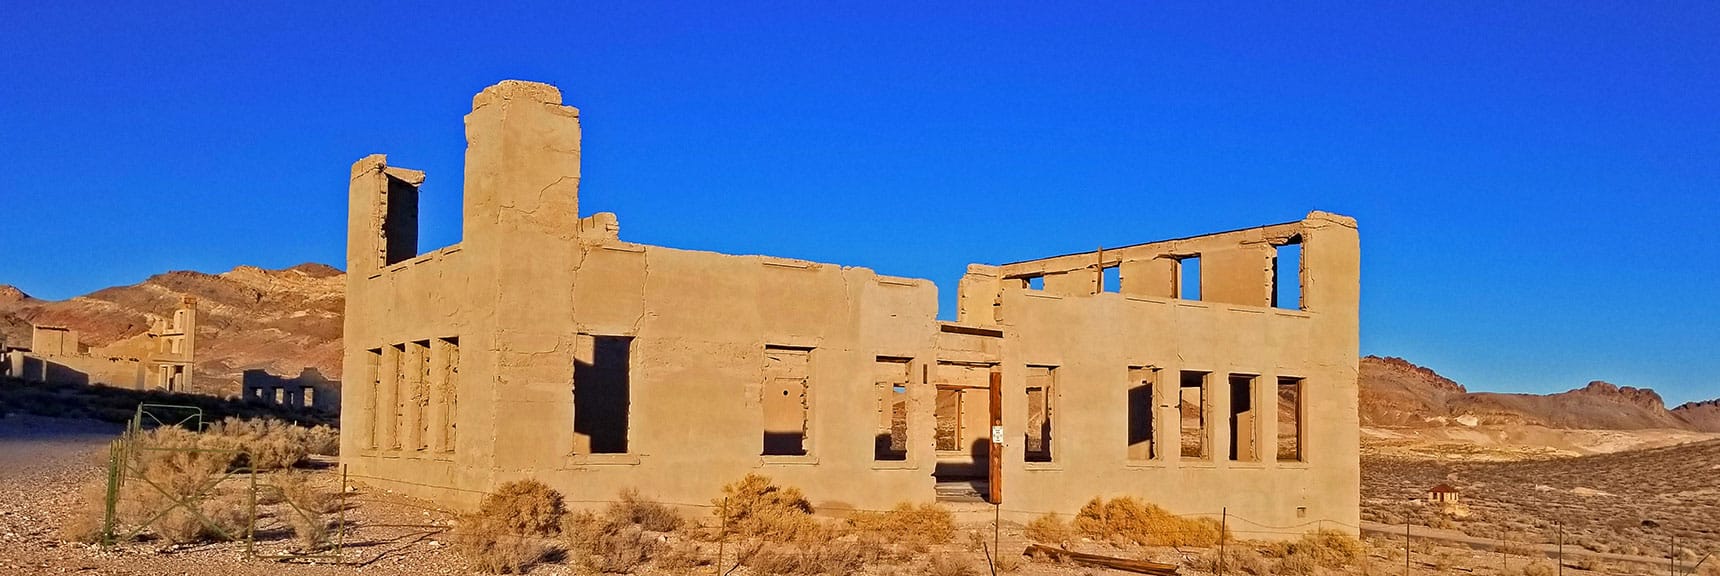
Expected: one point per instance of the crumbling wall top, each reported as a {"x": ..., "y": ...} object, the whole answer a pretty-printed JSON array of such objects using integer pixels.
[{"x": 517, "y": 89}]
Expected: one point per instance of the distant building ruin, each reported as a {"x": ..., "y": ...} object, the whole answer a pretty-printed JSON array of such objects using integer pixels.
[
  {"x": 160, "y": 359},
  {"x": 1203, "y": 373},
  {"x": 309, "y": 390}
]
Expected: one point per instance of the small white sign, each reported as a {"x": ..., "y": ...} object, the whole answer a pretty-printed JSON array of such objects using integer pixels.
[{"x": 996, "y": 434}]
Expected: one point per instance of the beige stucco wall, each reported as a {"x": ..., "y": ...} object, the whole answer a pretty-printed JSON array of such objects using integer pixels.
[
  {"x": 531, "y": 283},
  {"x": 1094, "y": 338}
]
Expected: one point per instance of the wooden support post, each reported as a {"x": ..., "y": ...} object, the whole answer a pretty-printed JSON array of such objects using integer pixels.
[{"x": 995, "y": 469}]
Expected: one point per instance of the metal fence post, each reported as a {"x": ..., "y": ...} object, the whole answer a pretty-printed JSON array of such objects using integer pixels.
[{"x": 110, "y": 502}]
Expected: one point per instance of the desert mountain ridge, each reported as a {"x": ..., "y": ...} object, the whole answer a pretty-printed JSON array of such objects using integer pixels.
[
  {"x": 289, "y": 319},
  {"x": 1398, "y": 393}
]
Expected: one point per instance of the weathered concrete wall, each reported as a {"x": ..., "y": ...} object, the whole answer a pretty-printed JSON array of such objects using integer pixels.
[
  {"x": 310, "y": 389},
  {"x": 1094, "y": 339},
  {"x": 467, "y": 362}
]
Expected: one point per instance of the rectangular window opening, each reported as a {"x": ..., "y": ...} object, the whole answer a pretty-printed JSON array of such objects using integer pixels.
[
  {"x": 373, "y": 368},
  {"x": 447, "y": 407},
  {"x": 891, "y": 381},
  {"x": 602, "y": 395},
  {"x": 1111, "y": 279},
  {"x": 1188, "y": 277},
  {"x": 1244, "y": 425},
  {"x": 949, "y": 416},
  {"x": 1035, "y": 283},
  {"x": 400, "y": 221},
  {"x": 784, "y": 397},
  {"x": 1191, "y": 409},
  {"x": 1041, "y": 395},
  {"x": 398, "y": 394},
  {"x": 1289, "y": 419},
  {"x": 419, "y": 408},
  {"x": 1141, "y": 410},
  {"x": 1287, "y": 264}
]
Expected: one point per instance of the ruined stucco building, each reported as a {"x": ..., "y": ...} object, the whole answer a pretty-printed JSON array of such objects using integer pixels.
[
  {"x": 309, "y": 390},
  {"x": 161, "y": 358},
  {"x": 1196, "y": 373}
]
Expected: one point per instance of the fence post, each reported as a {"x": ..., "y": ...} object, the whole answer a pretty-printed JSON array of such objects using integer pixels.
[
  {"x": 110, "y": 502},
  {"x": 1406, "y": 543},
  {"x": 722, "y": 538},
  {"x": 340, "y": 539},
  {"x": 996, "y": 530},
  {"x": 1561, "y": 527},
  {"x": 1223, "y": 524}
]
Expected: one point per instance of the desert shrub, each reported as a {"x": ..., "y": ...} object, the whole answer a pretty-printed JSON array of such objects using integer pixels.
[
  {"x": 607, "y": 544},
  {"x": 1296, "y": 566},
  {"x": 920, "y": 524},
  {"x": 506, "y": 534},
  {"x": 271, "y": 444},
  {"x": 756, "y": 507},
  {"x": 306, "y": 506},
  {"x": 1005, "y": 562},
  {"x": 525, "y": 507},
  {"x": 299, "y": 490},
  {"x": 950, "y": 565},
  {"x": 816, "y": 550},
  {"x": 651, "y": 516},
  {"x": 681, "y": 557},
  {"x": 1236, "y": 559},
  {"x": 1327, "y": 548},
  {"x": 1537, "y": 568},
  {"x": 179, "y": 465},
  {"x": 323, "y": 440},
  {"x": 222, "y": 518},
  {"x": 85, "y": 522},
  {"x": 1128, "y": 520},
  {"x": 1048, "y": 529},
  {"x": 488, "y": 546}
]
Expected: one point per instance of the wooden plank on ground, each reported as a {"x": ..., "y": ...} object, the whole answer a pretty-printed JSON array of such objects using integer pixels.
[{"x": 1136, "y": 566}]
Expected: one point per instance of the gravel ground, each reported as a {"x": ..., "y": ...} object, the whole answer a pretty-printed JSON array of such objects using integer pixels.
[{"x": 45, "y": 463}]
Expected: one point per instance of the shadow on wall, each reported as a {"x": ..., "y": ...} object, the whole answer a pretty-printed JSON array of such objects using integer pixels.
[
  {"x": 34, "y": 369},
  {"x": 600, "y": 395}
]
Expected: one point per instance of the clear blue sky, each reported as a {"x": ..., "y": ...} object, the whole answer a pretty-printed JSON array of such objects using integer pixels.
[{"x": 1538, "y": 184}]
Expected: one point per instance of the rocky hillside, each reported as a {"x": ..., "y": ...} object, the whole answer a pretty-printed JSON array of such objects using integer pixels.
[
  {"x": 1395, "y": 392},
  {"x": 1705, "y": 416},
  {"x": 280, "y": 320}
]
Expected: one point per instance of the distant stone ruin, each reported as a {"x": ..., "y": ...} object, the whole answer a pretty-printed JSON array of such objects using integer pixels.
[
  {"x": 1204, "y": 374},
  {"x": 309, "y": 390},
  {"x": 161, "y": 359}
]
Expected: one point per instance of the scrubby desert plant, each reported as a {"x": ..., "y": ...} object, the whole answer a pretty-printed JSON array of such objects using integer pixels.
[
  {"x": 1125, "y": 519},
  {"x": 1326, "y": 548},
  {"x": 323, "y": 440},
  {"x": 87, "y": 519},
  {"x": 916, "y": 524},
  {"x": 269, "y": 443},
  {"x": 951, "y": 565},
  {"x": 754, "y": 506},
  {"x": 1234, "y": 560},
  {"x": 508, "y": 533},
  {"x": 606, "y": 543},
  {"x": 306, "y": 507},
  {"x": 1296, "y": 566},
  {"x": 648, "y": 515},
  {"x": 819, "y": 552},
  {"x": 1049, "y": 529},
  {"x": 526, "y": 507},
  {"x": 487, "y": 546}
]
